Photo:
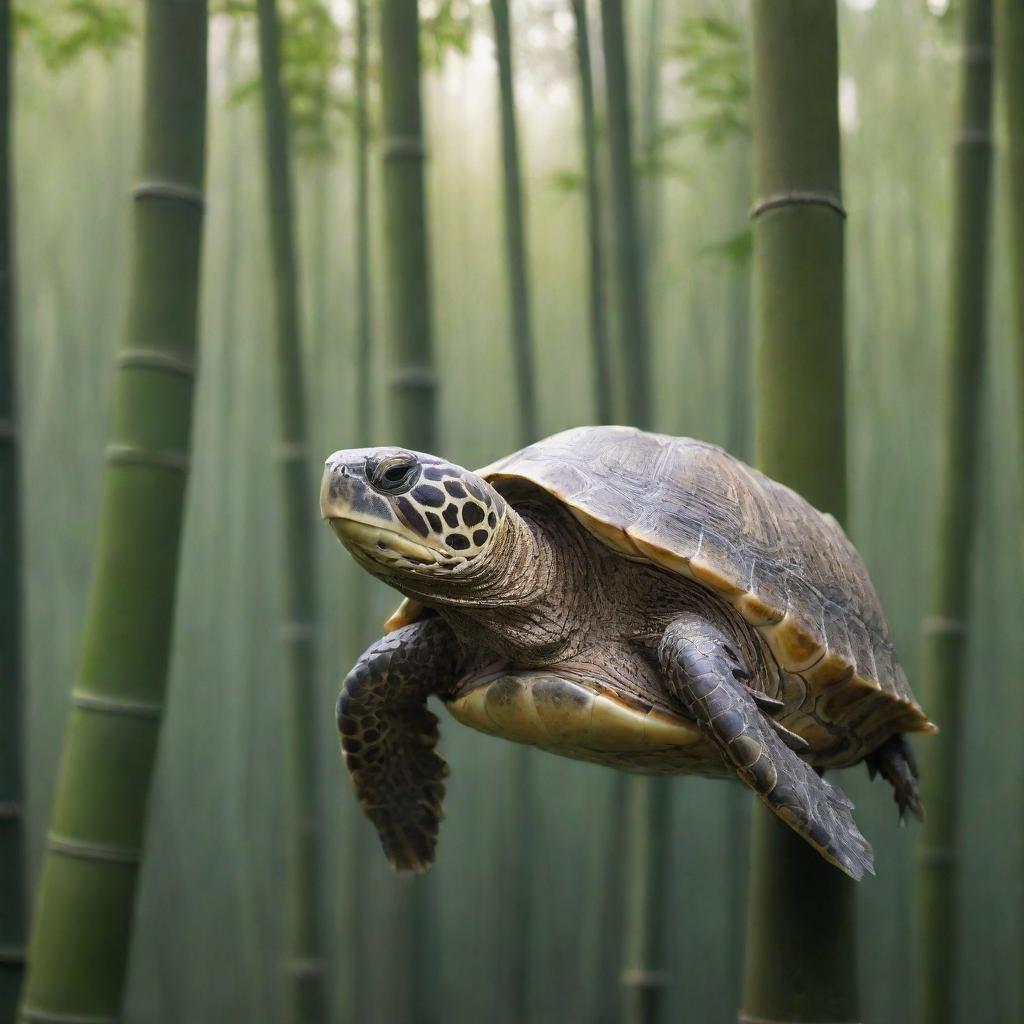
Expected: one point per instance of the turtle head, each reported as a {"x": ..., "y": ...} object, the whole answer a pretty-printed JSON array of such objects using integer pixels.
[{"x": 406, "y": 514}]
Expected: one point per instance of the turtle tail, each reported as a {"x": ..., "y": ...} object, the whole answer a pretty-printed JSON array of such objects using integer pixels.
[{"x": 895, "y": 762}]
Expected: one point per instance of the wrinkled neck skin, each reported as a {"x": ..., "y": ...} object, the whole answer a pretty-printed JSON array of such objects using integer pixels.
[{"x": 520, "y": 599}]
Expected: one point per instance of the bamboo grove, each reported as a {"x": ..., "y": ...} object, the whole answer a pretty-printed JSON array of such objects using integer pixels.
[{"x": 237, "y": 237}]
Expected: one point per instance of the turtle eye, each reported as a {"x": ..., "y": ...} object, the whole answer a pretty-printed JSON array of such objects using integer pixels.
[{"x": 394, "y": 475}]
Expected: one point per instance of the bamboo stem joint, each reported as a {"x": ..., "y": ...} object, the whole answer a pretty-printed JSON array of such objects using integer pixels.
[
  {"x": 92, "y": 851},
  {"x": 798, "y": 198},
  {"x": 170, "y": 190}
]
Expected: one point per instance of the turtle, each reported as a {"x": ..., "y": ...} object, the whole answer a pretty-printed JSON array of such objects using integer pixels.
[{"x": 638, "y": 600}]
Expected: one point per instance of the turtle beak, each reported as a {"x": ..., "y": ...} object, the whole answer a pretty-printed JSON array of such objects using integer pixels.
[{"x": 340, "y": 486}]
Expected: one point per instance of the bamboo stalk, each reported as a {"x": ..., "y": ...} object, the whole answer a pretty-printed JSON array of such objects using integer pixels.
[
  {"x": 801, "y": 959},
  {"x": 364, "y": 322},
  {"x": 515, "y": 240},
  {"x": 633, "y": 346},
  {"x": 82, "y": 929},
  {"x": 600, "y": 345},
  {"x": 518, "y": 823},
  {"x": 12, "y": 866},
  {"x": 412, "y": 382},
  {"x": 648, "y": 798},
  {"x": 305, "y": 999},
  {"x": 945, "y": 628},
  {"x": 650, "y": 117},
  {"x": 1010, "y": 68},
  {"x": 363, "y": 844}
]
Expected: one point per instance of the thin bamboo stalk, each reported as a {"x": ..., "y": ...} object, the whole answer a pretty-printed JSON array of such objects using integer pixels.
[
  {"x": 515, "y": 238},
  {"x": 650, "y": 118},
  {"x": 410, "y": 357},
  {"x": 1010, "y": 68},
  {"x": 305, "y": 997},
  {"x": 801, "y": 961},
  {"x": 363, "y": 844},
  {"x": 520, "y": 846},
  {"x": 945, "y": 628},
  {"x": 601, "y": 346},
  {"x": 364, "y": 321},
  {"x": 648, "y": 798},
  {"x": 12, "y": 867},
  {"x": 633, "y": 346},
  {"x": 82, "y": 928}
]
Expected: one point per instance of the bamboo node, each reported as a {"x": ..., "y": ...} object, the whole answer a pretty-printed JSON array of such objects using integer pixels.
[
  {"x": 798, "y": 198},
  {"x": 297, "y": 630},
  {"x": 402, "y": 147},
  {"x": 131, "y": 455},
  {"x": 155, "y": 189},
  {"x": 291, "y": 451},
  {"x": 114, "y": 706},
  {"x": 943, "y": 625},
  {"x": 12, "y": 955},
  {"x": 153, "y": 359},
  {"x": 35, "y": 1015},
  {"x": 92, "y": 851},
  {"x": 639, "y": 977},
  {"x": 9, "y": 811},
  {"x": 413, "y": 378},
  {"x": 301, "y": 967}
]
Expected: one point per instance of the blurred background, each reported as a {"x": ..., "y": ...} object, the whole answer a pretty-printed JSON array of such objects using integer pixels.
[{"x": 210, "y": 920}]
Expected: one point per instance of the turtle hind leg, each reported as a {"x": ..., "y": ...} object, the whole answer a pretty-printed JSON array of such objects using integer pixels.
[
  {"x": 708, "y": 678},
  {"x": 388, "y": 738},
  {"x": 895, "y": 762}
]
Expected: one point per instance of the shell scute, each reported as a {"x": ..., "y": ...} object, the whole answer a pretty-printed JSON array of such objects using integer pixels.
[{"x": 787, "y": 568}]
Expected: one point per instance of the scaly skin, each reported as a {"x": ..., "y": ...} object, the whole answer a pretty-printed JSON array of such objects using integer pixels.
[
  {"x": 708, "y": 678},
  {"x": 388, "y": 737}
]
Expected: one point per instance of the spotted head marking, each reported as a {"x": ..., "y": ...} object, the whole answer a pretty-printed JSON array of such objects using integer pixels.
[{"x": 399, "y": 511}]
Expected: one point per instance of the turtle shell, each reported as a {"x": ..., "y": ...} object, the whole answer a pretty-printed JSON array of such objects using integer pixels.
[{"x": 788, "y": 569}]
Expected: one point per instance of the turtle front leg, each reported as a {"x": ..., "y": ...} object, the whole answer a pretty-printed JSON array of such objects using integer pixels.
[
  {"x": 388, "y": 737},
  {"x": 708, "y": 677}
]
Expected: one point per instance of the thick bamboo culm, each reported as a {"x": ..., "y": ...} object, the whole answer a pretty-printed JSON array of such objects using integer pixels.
[
  {"x": 801, "y": 954},
  {"x": 412, "y": 380},
  {"x": 945, "y": 629},
  {"x": 12, "y": 868},
  {"x": 82, "y": 928},
  {"x": 305, "y": 991},
  {"x": 600, "y": 344},
  {"x": 1010, "y": 74}
]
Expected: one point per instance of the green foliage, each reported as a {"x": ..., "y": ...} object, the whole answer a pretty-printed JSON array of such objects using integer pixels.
[
  {"x": 715, "y": 70},
  {"x": 447, "y": 28},
  {"x": 310, "y": 56},
  {"x": 737, "y": 248},
  {"x": 653, "y": 161},
  {"x": 75, "y": 27},
  {"x": 319, "y": 109},
  {"x": 566, "y": 180}
]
